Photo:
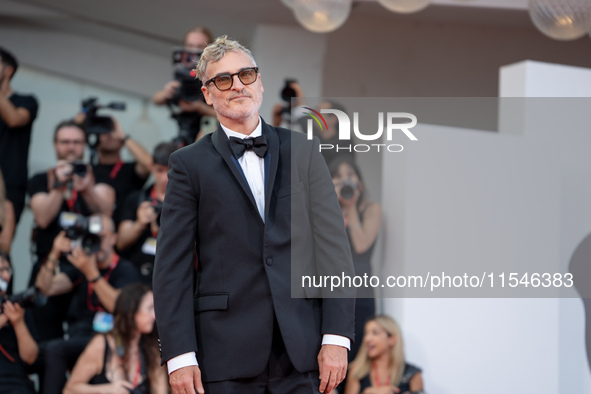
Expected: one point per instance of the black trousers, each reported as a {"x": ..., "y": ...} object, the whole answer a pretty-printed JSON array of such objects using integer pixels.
[
  {"x": 280, "y": 376},
  {"x": 61, "y": 356}
]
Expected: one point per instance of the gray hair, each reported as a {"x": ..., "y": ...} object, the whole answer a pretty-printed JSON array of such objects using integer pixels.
[{"x": 216, "y": 51}]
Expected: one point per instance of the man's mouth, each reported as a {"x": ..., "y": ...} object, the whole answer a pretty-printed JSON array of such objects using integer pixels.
[{"x": 241, "y": 96}]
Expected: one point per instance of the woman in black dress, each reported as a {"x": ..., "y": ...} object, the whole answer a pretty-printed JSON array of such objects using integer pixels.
[
  {"x": 380, "y": 366},
  {"x": 126, "y": 359}
]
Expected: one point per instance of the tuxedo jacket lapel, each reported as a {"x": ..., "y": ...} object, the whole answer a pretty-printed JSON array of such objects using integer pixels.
[
  {"x": 222, "y": 145},
  {"x": 271, "y": 163}
]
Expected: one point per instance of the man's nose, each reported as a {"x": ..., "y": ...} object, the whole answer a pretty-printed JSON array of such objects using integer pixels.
[{"x": 237, "y": 83}]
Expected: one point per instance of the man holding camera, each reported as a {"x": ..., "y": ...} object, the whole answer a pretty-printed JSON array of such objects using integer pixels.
[
  {"x": 17, "y": 113},
  {"x": 18, "y": 349},
  {"x": 124, "y": 177},
  {"x": 68, "y": 187},
  {"x": 93, "y": 281},
  {"x": 140, "y": 222},
  {"x": 195, "y": 42}
]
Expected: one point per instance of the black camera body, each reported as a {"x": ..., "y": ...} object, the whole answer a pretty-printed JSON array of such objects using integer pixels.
[
  {"x": 184, "y": 61},
  {"x": 95, "y": 124},
  {"x": 83, "y": 231},
  {"x": 79, "y": 168},
  {"x": 348, "y": 189},
  {"x": 190, "y": 89},
  {"x": 30, "y": 297},
  {"x": 287, "y": 93}
]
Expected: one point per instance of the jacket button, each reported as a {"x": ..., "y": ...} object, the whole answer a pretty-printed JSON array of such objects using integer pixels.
[{"x": 269, "y": 261}]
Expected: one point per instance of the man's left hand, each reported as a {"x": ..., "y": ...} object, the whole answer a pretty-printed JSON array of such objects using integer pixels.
[{"x": 332, "y": 361}]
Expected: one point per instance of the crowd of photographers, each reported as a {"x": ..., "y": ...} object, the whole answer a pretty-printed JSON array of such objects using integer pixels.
[{"x": 96, "y": 222}]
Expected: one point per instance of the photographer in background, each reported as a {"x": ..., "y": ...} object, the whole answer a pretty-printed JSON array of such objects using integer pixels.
[
  {"x": 7, "y": 220},
  {"x": 93, "y": 280},
  {"x": 192, "y": 110},
  {"x": 69, "y": 187},
  {"x": 140, "y": 221},
  {"x": 17, "y": 113},
  {"x": 18, "y": 349},
  {"x": 123, "y": 177}
]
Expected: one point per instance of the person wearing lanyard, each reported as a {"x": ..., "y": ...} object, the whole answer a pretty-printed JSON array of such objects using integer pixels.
[
  {"x": 140, "y": 222},
  {"x": 62, "y": 189},
  {"x": 124, "y": 177},
  {"x": 93, "y": 281},
  {"x": 18, "y": 348}
]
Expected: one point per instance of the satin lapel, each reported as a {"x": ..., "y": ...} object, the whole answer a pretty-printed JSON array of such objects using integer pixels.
[
  {"x": 271, "y": 163},
  {"x": 222, "y": 145}
]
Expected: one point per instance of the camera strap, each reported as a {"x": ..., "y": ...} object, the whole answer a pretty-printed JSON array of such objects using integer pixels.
[
  {"x": 8, "y": 356},
  {"x": 89, "y": 303},
  {"x": 115, "y": 170},
  {"x": 72, "y": 200}
]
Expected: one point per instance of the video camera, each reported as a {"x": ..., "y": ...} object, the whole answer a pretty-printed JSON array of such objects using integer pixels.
[
  {"x": 30, "y": 297},
  {"x": 94, "y": 124},
  {"x": 184, "y": 61},
  {"x": 83, "y": 231}
]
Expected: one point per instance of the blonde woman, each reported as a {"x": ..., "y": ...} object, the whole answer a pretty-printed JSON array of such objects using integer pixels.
[{"x": 380, "y": 366}]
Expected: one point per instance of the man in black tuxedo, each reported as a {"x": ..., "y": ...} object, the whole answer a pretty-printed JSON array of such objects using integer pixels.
[{"x": 249, "y": 197}]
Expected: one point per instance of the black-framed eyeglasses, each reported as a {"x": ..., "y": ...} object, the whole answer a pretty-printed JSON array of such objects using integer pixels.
[{"x": 226, "y": 81}]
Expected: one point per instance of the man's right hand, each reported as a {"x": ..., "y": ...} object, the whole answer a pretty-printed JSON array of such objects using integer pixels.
[{"x": 185, "y": 380}]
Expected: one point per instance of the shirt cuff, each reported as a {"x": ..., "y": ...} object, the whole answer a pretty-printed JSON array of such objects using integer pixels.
[
  {"x": 181, "y": 361},
  {"x": 330, "y": 339}
]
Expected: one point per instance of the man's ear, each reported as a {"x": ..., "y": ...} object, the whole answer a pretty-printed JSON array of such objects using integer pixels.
[{"x": 206, "y": 95}]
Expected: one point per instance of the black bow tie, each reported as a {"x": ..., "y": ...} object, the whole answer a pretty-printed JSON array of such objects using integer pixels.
[{"x": 258, "y": 145}]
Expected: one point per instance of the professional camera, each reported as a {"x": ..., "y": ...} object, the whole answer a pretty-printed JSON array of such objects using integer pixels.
[
  {"x": 30, "y": 297},
  {"x": 94, "y": 124},
  {"x": 184, "y": 61},
  {"x": 348, "y": 189},
  {"x": 83, "y": 231},
  {"x": 79, "y": 168},
  {"x": 287, "y": 93}
]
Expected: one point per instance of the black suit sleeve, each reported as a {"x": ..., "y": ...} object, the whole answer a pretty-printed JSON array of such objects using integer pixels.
[
  {"x": 332, "y": 252},
  {"x": 174, "y": 265}
]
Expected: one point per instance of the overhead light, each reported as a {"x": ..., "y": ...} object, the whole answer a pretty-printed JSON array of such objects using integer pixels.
[
  {"x": 561, "y": 19},
  {"x": 405, "y": 6},
  {"x": 321, "y": 16}
]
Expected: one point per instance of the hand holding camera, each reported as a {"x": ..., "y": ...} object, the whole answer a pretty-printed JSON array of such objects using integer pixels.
[
  {"x": 146, "y": 213},
  {"x": 83, "y": 177},
  {"x": 85, "y": 263},
  {"x": 170, "y": 89},
  {"x": 14, "y": 313},
  {"x": 348, "y": 193}
]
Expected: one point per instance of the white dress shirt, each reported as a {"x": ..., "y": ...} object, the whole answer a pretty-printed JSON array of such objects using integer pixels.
[{"x": 253, "y": 167}]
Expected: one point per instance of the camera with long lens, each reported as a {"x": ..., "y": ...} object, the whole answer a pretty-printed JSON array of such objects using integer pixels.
[
  {"x": 95, "y": 124},
  {"x": 184, "y": 61},
  {"x": 83, "y": 231},
  {"x": 30, "y": 297},
  {"x": 348, "y": 189}
]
